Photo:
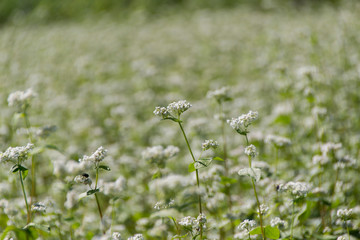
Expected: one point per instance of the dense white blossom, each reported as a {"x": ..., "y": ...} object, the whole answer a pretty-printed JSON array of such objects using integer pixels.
[
  {"x": 296, "y": 189},
  {"x": 241, "y": 123},
  {"x": 278, "y": 222},
  {"x": 21, "y": 98},
  {"x": 278, "y": 141},
  {"x": 344, "y": 214},
  {"x": 116, "y": 236},
  {"x": 158, "y": 154},
  {"x": 220, "y": 95},
  {"x": 247, "y": 224},
  {"x": 84, "y": 179},
  {"x": 38, "y": 207},
  {"x": 137, "y": 237},
  {"x": 96, "y": 157},
  {"x": 251, "y": 151},
  {"x": 209, "y": 144},
  {"x": 16, "y": 154},
  {"x": 173, "y": 110},
  {"x": 330, "y": 146}
]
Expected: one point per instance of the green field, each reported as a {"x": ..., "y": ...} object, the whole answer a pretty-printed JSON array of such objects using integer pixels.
[{"x": 99, "y": 80}]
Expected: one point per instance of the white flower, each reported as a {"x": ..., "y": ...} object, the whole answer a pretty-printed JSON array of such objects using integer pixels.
[
  {"x": 240, "y": 124},
  {"x": 247, "y": 224},
  {"x": 115, "y": 187},
  {"x": 296, "y": 189},
  {"x": 220, "y": 95},
  {"x": 116, "y": 236},
  {"x": 344, "y": 214},
  {"x": 320, "y": 159},
  {"x": 329, "y": 146},
  {"x": 136, "y": 237},
  {"x": 21, "y": 98},
  {"x": 173, "y": 110},
  {"x": 96, "y": 157},
  {"x": 278, "y": 222},
  {"x": 209, "y": 144},
  {"x": 251, "y": 151},
  {"x": 201, "y": 219},
  {"x": 38, "y": 207},
  {"x": 341, "y": 238},
  {"x": 158, "y": 154},
  {"x": 71, "y": 199},
  {"x": 188, "y": 221},
  {"x": 16, "y": 154},
  {"x": 84, "y": 179},
  {"x": 278, "y": 141},
  {"x": 263, "y": 209}
]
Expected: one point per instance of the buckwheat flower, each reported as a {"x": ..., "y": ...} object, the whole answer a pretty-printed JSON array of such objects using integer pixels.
[
  {"x": 341, "y": 238},
  {"x": 71, "y": 199},
  {"x": 344, "y": 214},
  {"x": 278, "y": 141},
  {"x": 188, "y": 221},
  {"x": 116, "y": 236},
  {"x": 158, "y": 154},
  {"x": 177, "y": 108},
  {"x": 247, "y": 224},
  {"x": 136, "y": 237},
  {"x": 84, "y": 179},
  {"x": 38, "y": 207},
  {"x": 320, "y": 159},
  {"x": 263, "y": 209},
  {"x": 278, "y": 222},
  {"x": 158, "y": 205},
  {"x": 21, "y": 98},
  {"x": 209, "y": 144},
  {"x": 16, "y": 154},
  {"x": 251, "y": 151},
  {"x": 201, "y": 219},
  {"x": 296, "y": 189},
  {"x": 241, "y": 123},
  {"x": 161, "y": 112},
  {"x": 220, "y": 95},
  {"x": 97, "y": 156},
  {"x": 329, "y": 146}
]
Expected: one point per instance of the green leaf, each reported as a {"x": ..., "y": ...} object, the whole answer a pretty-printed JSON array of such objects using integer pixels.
[
  {"x": 178, "y": 236},
  {"x": 172, "y": 119},
  {"x": 92, "y": 191},
  {"x": 254, "y": 173},
  {"x": 156, "y": 175},
  {"x": 24, "y": 174},
  {"x": 191, "y": 167},
  {"x": 53, "y": 147},
  {"x": 218, "y": 159},
  {"x": 105, "y": 167},
  {"x": 18, "y": 167},
  {"x": 14, "y": 168},
  {"x": 270, "y": 232},
  {"x": 202, "y": 163},
  {"x": 43, "y": 228},
  {"x": 305, "y": 214}
]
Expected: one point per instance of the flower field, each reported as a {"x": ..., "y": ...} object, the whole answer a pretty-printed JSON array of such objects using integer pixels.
[{"x": 211, "y": 124}]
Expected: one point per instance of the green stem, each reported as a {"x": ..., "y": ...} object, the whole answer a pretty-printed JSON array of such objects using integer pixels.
[
  {"x": 33, "y": 166},
  {"x": 25, "y": 199},
  {"x": 276, "y": 160},
  {"x": 176, "y": 226},
  {"x": 292, "y": 220},
  {"x": 197, "y": 174},
  {"x": 348, "y": 231},
  {"x": 96, "y": 197},
  {"x": 256, "y": 196}
]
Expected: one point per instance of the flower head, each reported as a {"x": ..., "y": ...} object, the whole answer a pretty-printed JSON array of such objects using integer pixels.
[
  {"x": 137, "y": 237},
  {"x": 247, "y": 224},
  {"x": 83, "y": 178},
  {"x": 296, "y": 189},
  {"x": 344, "y": 214},
  {"x": 241, "y": 123},
  {"x": 209, "y": 144},
  {"x": 278, "y": 141},
  {"x": 21, "y": 99},
  {"x": 16, "y": 154},
  {"x": 38, "y": 207},
  {"x": 173, "y": 110},
  {"x": 251, "y": 151},
  {"x": 97, "y": 156},
  {"x": 220, "y": 95}
]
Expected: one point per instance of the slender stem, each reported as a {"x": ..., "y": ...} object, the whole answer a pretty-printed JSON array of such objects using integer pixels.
[
  {"x": 25, "y": 199},
  {"x": 256, "y": 196},
  {"x": 292, "y": 220},
  {"x": 197, "y": 175},
  {"x": 96, "y": 197},
  {"x": 176, "y": 226},
  {"x": 33, "y": 166},
  {"x": 276, "y": 159},
  {"x": 347, "y": 228}
]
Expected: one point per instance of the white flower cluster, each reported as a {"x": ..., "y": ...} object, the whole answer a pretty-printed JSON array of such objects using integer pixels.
[
  {"x": 96, "y": 157},
  {"x": 116, "y": 236},
  {"x": 278, "y": 141},
  {"x": 344, "y": 213},
  {"x": 115, "y": 187},
  {"x": 329, "y": 146},
  {"x": 194, "y": 223},
  {"x": 38, "y": 207},
  {"x": 21, "y": 98},
  {"x": 263, "y": 209},
  {"x": 16, "y": 154},
  {"x": 278, "y": 222},
  {"x": 137, "y": 237},
  {"x": 296, "y": 189},
  {"x": 241, "y": 123},
  {"x": 251, "y": 151},
  {"x": 247, "y": 224},
  {"x": 209, "y": 144},
  {"x": 345, "y": 161},
  {"x": 84, "y": 179},
  {"x": 173, "y": 110},
  {"x": 320, "y": 159},
  {"x": 220, "y": 95},
  {"x": 158, "y": 154},
  {"x": 341, "y": 238},
  {"x": 161, "y": 205}
]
